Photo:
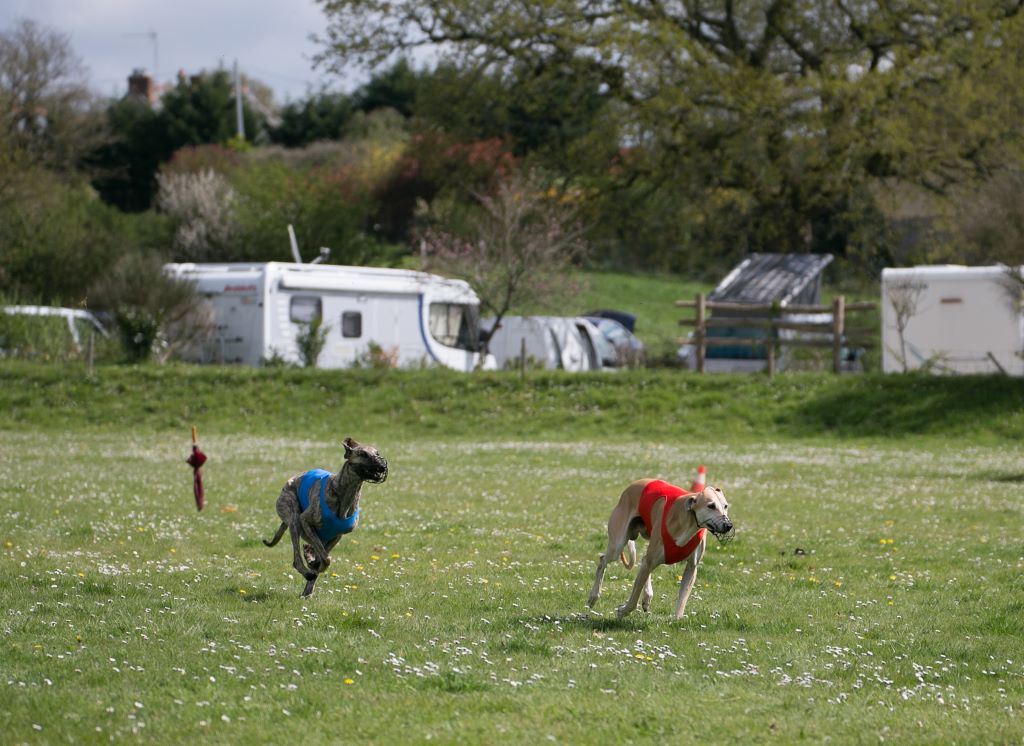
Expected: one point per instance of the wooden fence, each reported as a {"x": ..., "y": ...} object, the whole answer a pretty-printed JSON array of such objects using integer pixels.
[{"x": 771, "y": 318}]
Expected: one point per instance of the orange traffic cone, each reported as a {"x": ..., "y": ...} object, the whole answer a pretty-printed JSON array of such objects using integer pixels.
[{"x": 700, "y": 481}]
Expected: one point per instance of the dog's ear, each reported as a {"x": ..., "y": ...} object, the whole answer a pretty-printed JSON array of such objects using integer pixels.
[
  {"x": 690, "y": 502},
  {"x": 350, "y": 445}
]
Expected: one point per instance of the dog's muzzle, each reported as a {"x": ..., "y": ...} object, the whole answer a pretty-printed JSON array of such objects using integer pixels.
[
  {"x": 375, "y": 473},
  {"x": 724, "y": 532}
]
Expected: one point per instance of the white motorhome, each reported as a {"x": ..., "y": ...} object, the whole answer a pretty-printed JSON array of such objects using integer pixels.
[
  {"x": 956, "y": 320},
  {"x": 416, "y": 318}
]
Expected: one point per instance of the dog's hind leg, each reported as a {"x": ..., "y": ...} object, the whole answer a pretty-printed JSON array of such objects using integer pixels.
[
  {"x": 277, "y": 537},
  {"x": 647, "y": 595},
  {"x": 643, "y": 577},
  {"x": 619, "y": 532}
]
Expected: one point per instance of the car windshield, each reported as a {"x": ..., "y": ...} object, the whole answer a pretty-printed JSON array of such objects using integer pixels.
[{"x": 612, "y": 329}]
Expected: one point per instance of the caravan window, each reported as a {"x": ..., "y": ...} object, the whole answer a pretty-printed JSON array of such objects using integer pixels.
[
  {"x": 305, "y": 308},
  {"x": 455, "y": 325},
  {"x": 351, "y": 324}
]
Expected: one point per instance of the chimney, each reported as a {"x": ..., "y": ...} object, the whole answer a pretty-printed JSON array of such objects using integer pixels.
[{"x": 140, "y": 85}]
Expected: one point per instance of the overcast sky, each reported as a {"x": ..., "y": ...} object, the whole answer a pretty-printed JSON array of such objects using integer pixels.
[{"x": 269, "y": 38}]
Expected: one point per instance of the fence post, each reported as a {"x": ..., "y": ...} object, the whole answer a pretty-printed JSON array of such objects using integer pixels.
[
  {"x": 838, "y": 325},
  {"x": 772, "y": 339},
  {"x": 522, "y": 359},
  {"x": 91, "y": 352},
  {"x": 699, "y": 332}
]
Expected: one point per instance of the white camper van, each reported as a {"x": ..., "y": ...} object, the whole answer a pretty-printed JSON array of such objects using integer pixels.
[
  {"x": 259, "y": 310},
  {"x": 957, "y": 320}
]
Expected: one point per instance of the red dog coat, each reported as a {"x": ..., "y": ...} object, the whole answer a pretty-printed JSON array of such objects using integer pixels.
[{"x": 654, "y": 491}]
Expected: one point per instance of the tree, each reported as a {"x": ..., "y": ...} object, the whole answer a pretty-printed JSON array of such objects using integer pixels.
[
  {"x": 328, "y": 206},
  {"x": 199, "y": 110},
  {"x": 126, "y": 165},
  {"x": 904, "y": 296},
  {"x": 793, "y": 106},
  {"x": 394, "y": 88},
  {"x": 321, "y": 116},
  {"x": 515, "y": 248},
  {"x": 49, "y": 116},
  {"x": 57, "y": 237}
]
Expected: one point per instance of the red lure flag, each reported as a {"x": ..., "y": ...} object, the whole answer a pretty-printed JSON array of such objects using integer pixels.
[{"x": 196, "y": 460}]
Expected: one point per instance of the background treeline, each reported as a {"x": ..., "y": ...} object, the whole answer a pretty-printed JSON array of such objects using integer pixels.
[{"x": 883, "y": 137}]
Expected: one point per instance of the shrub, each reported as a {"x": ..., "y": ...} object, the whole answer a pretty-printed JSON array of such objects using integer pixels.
[
  {"x": 377, "y": 357},
  {"x": 202, "y": 206},
  {"x": 311, "y": 340},
  {"x": 153, "y": 312}
]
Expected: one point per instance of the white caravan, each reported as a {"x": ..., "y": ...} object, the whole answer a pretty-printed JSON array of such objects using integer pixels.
[
  {"x": 259, "y": 310},
  {"x": 956, "y": 320},
  {"x": 552, "y": 342}
]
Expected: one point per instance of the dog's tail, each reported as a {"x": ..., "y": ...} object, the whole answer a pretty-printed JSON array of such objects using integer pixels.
[
  {"x": 278, "y": 535},
  {"x": 631, "y": 547}
]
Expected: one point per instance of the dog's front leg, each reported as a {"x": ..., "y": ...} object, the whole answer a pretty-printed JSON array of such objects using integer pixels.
[
  {"x": 320, "y": 559},
  {"x": 686, "y": 584},
  {"x": 296, "y": 536},
  {"x": 318, "y": 567},
  {"x": 643, "y": 575}
]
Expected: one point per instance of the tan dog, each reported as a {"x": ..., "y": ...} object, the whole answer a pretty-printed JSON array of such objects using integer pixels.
[{"x": 675, "y": 535}]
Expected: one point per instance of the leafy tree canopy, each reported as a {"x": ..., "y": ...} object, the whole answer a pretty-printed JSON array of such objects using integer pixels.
[
  {"x": 49, "y": 115},
  {"x": 788, "y": 108}
]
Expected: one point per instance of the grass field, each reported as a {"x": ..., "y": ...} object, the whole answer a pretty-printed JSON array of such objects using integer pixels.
[{"x": 874, "y": 590}]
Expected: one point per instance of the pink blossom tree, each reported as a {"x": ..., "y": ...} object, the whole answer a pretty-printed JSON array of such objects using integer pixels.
[{"x": 516, "y": 248}]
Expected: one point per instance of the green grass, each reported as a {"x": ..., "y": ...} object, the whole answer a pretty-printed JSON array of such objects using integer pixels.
[
  {"x": 456, "y": 610},
  {"x": 667, "y": 405}
]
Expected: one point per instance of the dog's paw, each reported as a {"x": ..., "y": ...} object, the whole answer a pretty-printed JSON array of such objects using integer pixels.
[
  {"x": 311, "y": 558},
  {"x": 622, "y": 611}
]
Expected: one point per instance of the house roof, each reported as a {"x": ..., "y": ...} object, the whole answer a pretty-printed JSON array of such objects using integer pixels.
[{"x": 770, "y": 278}]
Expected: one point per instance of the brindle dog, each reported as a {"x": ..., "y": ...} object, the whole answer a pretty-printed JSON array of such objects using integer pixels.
[{"x": 362, "y": 463}]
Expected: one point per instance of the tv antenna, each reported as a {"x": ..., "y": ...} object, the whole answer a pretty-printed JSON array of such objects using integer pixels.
[{"x": 156, "y": 55}]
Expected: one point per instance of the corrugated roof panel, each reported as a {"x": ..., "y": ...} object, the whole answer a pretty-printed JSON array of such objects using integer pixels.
[{"x": 770, "y": 278}]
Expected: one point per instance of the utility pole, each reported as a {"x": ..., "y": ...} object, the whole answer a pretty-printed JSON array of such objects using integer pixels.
[{"x": 239, "y": 121}]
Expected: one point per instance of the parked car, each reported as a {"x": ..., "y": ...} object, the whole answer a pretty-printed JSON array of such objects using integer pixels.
[
  {"x": 79, "y": 324},
  {"x": 629, "y": 350},
  {"x": 625, "y": 318}
]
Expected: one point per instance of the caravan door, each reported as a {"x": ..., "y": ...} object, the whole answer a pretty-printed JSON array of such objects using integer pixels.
[{"x": 238, "y": 337}]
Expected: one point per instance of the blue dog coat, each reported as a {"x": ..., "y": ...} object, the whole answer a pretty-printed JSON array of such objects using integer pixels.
[{"x": 331, "y": 526}]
